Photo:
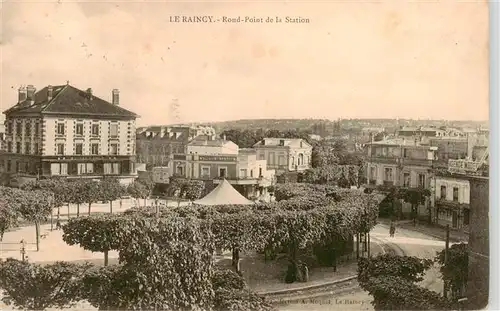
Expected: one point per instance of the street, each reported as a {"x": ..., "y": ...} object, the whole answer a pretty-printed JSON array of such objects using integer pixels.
[{"x": 405, "y": 242}]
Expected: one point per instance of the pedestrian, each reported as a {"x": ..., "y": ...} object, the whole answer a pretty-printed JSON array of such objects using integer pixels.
[
  {"x": 58, "y": 225},
  {"x": 392, "y": 229}
]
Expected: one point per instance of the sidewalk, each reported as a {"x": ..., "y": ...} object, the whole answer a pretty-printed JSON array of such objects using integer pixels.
[{"x": 431, "y": 230}]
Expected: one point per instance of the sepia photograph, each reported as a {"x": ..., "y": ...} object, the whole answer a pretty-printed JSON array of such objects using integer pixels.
[{"x": 244, "y": 156}]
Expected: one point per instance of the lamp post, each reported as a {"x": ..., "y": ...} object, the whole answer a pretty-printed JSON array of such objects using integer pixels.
[{"x": 23, "y": 249}]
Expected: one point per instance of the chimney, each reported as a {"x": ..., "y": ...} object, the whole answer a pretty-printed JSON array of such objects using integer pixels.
[
  {"x": 50, "y": 93},
  {"x": 89, "y": 93},
  {"x": 116, "y": 97},
  {"x": 30, "y": 92},
  {"x": 22, "y": 94}
]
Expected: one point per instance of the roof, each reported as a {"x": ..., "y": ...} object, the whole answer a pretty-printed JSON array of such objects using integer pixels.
[
  {"x": 420, "y": 129},
  {"x": 202, "y": 141},
  {"x": 224, "y": 194},
  {"x": 290, "y": 142},
  {"x": 67, "y": 99},
  {"x": 400, "y": 142}
]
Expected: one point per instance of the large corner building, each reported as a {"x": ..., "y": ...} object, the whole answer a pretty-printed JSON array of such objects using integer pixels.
[{"x": 67, "y": 132}]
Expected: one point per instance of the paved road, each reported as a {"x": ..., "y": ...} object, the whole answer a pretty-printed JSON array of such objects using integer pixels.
[{"x": 405, "y": 242}]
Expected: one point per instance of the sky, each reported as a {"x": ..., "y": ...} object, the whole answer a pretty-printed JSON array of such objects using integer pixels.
[{"x": 356, "y": 59}]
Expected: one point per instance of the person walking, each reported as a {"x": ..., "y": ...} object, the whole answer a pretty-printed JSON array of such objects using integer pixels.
[
  {"x": 392, "y": 229},
  {"x": 58, "y": 225}
]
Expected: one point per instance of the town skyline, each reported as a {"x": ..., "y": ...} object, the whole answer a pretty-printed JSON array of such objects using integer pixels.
[{"x": 408, "y": 60}]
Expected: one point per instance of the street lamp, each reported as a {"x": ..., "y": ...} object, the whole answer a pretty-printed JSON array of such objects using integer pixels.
[{"x": 23, "y": 249}]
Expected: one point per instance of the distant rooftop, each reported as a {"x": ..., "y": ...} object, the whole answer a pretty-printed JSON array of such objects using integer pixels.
[
  {"x": 401, "y": 142},
  {"x": 292, "y": 142},
  {"x": 202, "y": 140}
]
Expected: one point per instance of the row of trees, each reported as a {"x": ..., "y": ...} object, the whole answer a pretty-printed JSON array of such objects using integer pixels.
[
  {"x": 303, "y": 216},
  {"x": 34, "y": 201},
  {"x": 392, "y": 280},
  {"x": 166, "y": 256}
]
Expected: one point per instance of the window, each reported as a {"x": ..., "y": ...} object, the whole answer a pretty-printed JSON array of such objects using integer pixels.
[
  {"x": 95, "y": 149},
  {"x": 262, "y": 156},
  {"x": 271, "y": 158},
  {"x": 406, "y": 180},
  {"x": 421, "y": 180},
  {"x": 222, "y": 172},
  {"x": 79, "y": 149},
  {"x": 59, "y": 168},
  {"x": 455, "y": 194},
  {"x": 19, "y": 128},
  {"x": 260, "y": 172},
  {"x": 300, "y": 159},
  {"x": 281, "y": 160},
  {"x": 79, "y": 129},
  {"x": 60, "y": 149},
  {"x": 9, "y": 165},
  {"x": 113, "y": 130},
  {"x": 251, "y": 173},
  {"x": 9, "y": 146},
  {"x": 60, "y": 128},
  {"x": 27, "y": 130},
  {"x": 18, "y": 147},
  {"x": 36, "y": 151},
  {"x": 95, "y": 129},
  {"x": 373, "y": 173},
  {"x": 443, "y": 192},
  {"x": 243, "y": 173},
  {"x": 205, "y": 171},
  {"x": 113, "y": 149},
  {"x": 27, "y": 147},
  {"x": 9, "y": 128},
  {"x": 85, "y": 168},
  {"x": 179, "y": 170},
  {"x": 388, "y": 174},
  {"x": 115, "y": 168},
  {"x": 37, "y": 129},
  {"x": 405, "y": 153}
]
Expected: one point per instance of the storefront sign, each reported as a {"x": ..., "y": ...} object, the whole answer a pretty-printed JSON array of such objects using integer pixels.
[{"x": 218, "y": 158}]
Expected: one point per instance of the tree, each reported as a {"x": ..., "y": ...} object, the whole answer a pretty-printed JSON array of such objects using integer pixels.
[
  {"x": 90, "y": 192},
  {"x": 110, "y": 190},
  {"x": 35, "y": 206},
  {"x": 8, "y": 214},
  {"x": 166, "y": 264},
  {"x": 408, "y": 268},
  {"x": 395, "y": 293},
  {"x": 138, "y": 190},
  {"x": 416, "y": 197},
  {"x": 391, "y": 280},
  {"x": 99, "y": 233},
  {"x": 456, "y": 270},
  {"x": 76, "y": 195},
  {"x": 38, "y": 287}
]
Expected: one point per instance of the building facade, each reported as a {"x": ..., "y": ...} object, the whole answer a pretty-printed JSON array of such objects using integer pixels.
[
  {"x": 285, "y": 154},
  {"x": 479, "y": 248},
  {"x": 155, "y": 144},
  {"x": 402, "y": 163},
  {"x": 452, "y": 201},
  {"x": 67, "y": 132},
  {"x": 216, "y": 160}
]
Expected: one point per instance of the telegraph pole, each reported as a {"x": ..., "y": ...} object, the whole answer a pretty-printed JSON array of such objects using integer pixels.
[{"x": 446, "y": 249}]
